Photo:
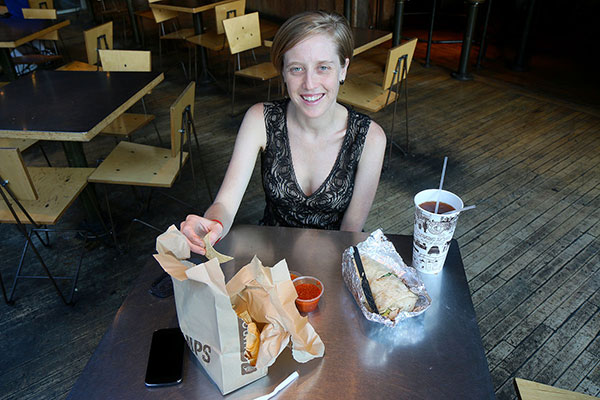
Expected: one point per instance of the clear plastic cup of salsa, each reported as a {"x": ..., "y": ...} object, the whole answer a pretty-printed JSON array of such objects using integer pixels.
[{"x": 309, "y": 290}]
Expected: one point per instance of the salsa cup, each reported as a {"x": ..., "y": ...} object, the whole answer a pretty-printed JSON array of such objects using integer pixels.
[{"x": 309, "y": 290}]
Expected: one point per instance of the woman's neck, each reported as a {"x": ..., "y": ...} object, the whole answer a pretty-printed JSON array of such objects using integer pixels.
[{"x": 323, "y": 125}]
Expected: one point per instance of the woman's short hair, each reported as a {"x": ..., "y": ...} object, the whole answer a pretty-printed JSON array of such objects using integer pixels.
[{"x": 306, "y": 24}]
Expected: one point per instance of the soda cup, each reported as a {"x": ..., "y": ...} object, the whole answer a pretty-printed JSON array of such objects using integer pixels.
[{"x": 433, "y": 232}]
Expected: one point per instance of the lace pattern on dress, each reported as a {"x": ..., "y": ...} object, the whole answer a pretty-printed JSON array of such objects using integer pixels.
[{"x": 286, "y": 203}]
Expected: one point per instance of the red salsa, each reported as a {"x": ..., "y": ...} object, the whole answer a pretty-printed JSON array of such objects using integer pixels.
[{"x": 307, "y": 291}]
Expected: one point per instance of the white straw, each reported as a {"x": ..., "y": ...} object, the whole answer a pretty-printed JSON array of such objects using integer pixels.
[
  {"x": 460, "y": 210},
  {"x": 437, "y": 202},
  {"x": 283, "y": 384}
]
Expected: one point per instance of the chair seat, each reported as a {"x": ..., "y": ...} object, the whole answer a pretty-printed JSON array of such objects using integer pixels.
[
  {"x": 364, "y": 95},
  {"x": 139, "y": 165},
  {"x": 127, "y": 123},
  {"x": 179, "y": 35},
  {"x": 78, "y": 66},
  {"x": 210, "y": 40},
  {"x": 264, "y": 71},
  {"x": 529, "y": 390},
  {"x": 21, "y": 144},
  {"x": 57, "y": 188},
  {"x": 37, "y": 59}
]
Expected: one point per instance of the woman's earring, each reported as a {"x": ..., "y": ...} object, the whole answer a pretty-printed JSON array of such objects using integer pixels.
[{"x": 342, "y": 82}]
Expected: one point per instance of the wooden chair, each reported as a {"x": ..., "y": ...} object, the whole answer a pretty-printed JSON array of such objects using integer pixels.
[
  {"x": 243, "y": 34},
  {"x": 216, "y": 40},
  {"x": 39, "y": 197},
  {"x": 529, "y": 390},
  {"x": 367, "y": 95},
  {"x": 95, "y": 39},
  {"x": 42, "y": 13},
  {"x": 149, "y": 166},
  {"x": 128, "y": 61},
  {"x": 41, "y": 53},
  {"x": 162, "y": 17},
  {"x": 41, "y": 4},
  {"x": 24, "y": 144},
  {"x": 98, "y": 38}
]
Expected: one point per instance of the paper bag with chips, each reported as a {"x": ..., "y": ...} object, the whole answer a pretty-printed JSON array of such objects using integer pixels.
[{"x": 235, "y": 330}]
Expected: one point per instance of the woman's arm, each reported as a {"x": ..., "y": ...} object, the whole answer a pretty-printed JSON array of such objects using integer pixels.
[
  {"x": 250, "y": 140},
  {"x": 366, "y": 181}
]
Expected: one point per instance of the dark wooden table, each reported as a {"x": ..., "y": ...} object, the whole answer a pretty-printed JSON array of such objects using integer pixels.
[
  {"x": 437, "y": 355},
  {"x": 72, "y": 107},
  {"x": 15, "y": 32}
]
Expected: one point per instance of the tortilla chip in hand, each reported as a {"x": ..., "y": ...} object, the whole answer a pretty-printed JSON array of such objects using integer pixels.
[{"x": 212, "y": 253}]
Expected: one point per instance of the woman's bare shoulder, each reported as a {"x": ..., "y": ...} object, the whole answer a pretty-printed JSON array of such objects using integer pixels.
[{"x": 375, "y": 136}]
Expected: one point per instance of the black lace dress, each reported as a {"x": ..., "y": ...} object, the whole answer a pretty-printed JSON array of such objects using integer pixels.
[{"x": 287, "y": 204}]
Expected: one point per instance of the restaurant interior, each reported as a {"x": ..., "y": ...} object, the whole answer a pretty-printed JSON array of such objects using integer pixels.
[{"x": 507, "y": 91}]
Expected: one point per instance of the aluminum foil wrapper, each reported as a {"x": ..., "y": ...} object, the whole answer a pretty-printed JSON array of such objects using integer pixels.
[{"x": 380, "y": 249}]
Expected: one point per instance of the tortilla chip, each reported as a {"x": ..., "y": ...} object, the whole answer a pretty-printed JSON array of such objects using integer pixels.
[
  {"x": 252, "y": 338},
  {"x": 212, "y": 253}
]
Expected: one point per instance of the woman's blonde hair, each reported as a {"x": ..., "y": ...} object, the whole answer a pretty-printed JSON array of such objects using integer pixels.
[{"x": 304, "y": 25}]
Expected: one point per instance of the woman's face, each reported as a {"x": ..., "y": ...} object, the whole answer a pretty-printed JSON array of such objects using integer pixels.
[{"x": 312, "y": 71}]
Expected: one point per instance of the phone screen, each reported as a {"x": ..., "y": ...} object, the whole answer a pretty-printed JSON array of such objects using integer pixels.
[{"x": 165, "y": 361}]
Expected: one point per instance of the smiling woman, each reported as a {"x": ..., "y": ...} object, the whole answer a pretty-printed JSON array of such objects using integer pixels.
[{"x": 320, "y": 161}]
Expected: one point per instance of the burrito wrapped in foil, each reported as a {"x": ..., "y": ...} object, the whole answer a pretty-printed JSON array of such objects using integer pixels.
[{"x": 380, "y": 249}]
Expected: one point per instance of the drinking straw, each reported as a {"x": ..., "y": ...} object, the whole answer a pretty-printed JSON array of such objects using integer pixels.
[
  {"x": 460, "y": 209},
  {"x": 437, "y": 202}
]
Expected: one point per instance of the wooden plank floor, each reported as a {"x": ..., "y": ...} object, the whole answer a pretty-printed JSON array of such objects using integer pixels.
[{"x": 526, "y": 155}]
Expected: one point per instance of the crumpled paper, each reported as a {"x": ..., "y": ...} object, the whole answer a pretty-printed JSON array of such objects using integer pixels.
[
  {"x": 267, "y": 293},
  {"x": 380, "y": 249}
]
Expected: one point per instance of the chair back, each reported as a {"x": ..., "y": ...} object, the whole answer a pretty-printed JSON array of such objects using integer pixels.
[
  {"x": 39, "y": 13},
  {"x": 392, "y": 64},
  {"x": 184, "y": 100},
  {"x": 14, "y": 171},
  {"x": 125, "y": 60},
  {"x": 42, "y": 13},
  {"x": 161, "y": 16},
  {"x": 228, "y": 10},
  {"x": 243, "y": 33},
  {"x": 41, "y": 4},
  {"x": 99, "y": 37}
]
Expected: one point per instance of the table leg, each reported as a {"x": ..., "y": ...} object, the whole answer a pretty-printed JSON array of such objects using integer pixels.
[
  {"x": 348, "y": 10},
  {"x": 204, "y": 77},
  {"x": 7, "y": 65},
  {"x": 519, "y": 64},
  {"x": 462, "y": 74},
  {"x": 134, "y": 28},
  {"x": 76, "y": 158},
  {"x": 483, "y": 44},
  {"x": 398, "y": 16},
  {"x": 430, "y": 36}
]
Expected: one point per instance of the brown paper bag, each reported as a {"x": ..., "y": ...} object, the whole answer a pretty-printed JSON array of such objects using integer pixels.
[{"x": 207, "y": 311}]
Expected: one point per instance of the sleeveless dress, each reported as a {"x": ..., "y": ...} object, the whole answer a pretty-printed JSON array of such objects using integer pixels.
[{"x": 286, "y": 203}]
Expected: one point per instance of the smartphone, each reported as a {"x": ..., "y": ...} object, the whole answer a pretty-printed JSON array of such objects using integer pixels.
[{"x": 165, "y": 361}]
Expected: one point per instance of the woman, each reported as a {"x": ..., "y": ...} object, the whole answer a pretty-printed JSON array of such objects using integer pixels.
[{"x": 320, "y": 161}]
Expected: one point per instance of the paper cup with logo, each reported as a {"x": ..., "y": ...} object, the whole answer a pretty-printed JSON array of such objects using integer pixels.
[{"x": 433, "y": 232}]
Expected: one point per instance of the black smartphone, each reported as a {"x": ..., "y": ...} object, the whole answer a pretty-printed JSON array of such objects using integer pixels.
[{"x": 165, "y": 361}]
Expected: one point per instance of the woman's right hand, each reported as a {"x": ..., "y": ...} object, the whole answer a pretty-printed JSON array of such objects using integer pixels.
[{"x": 196, "y": 227}]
